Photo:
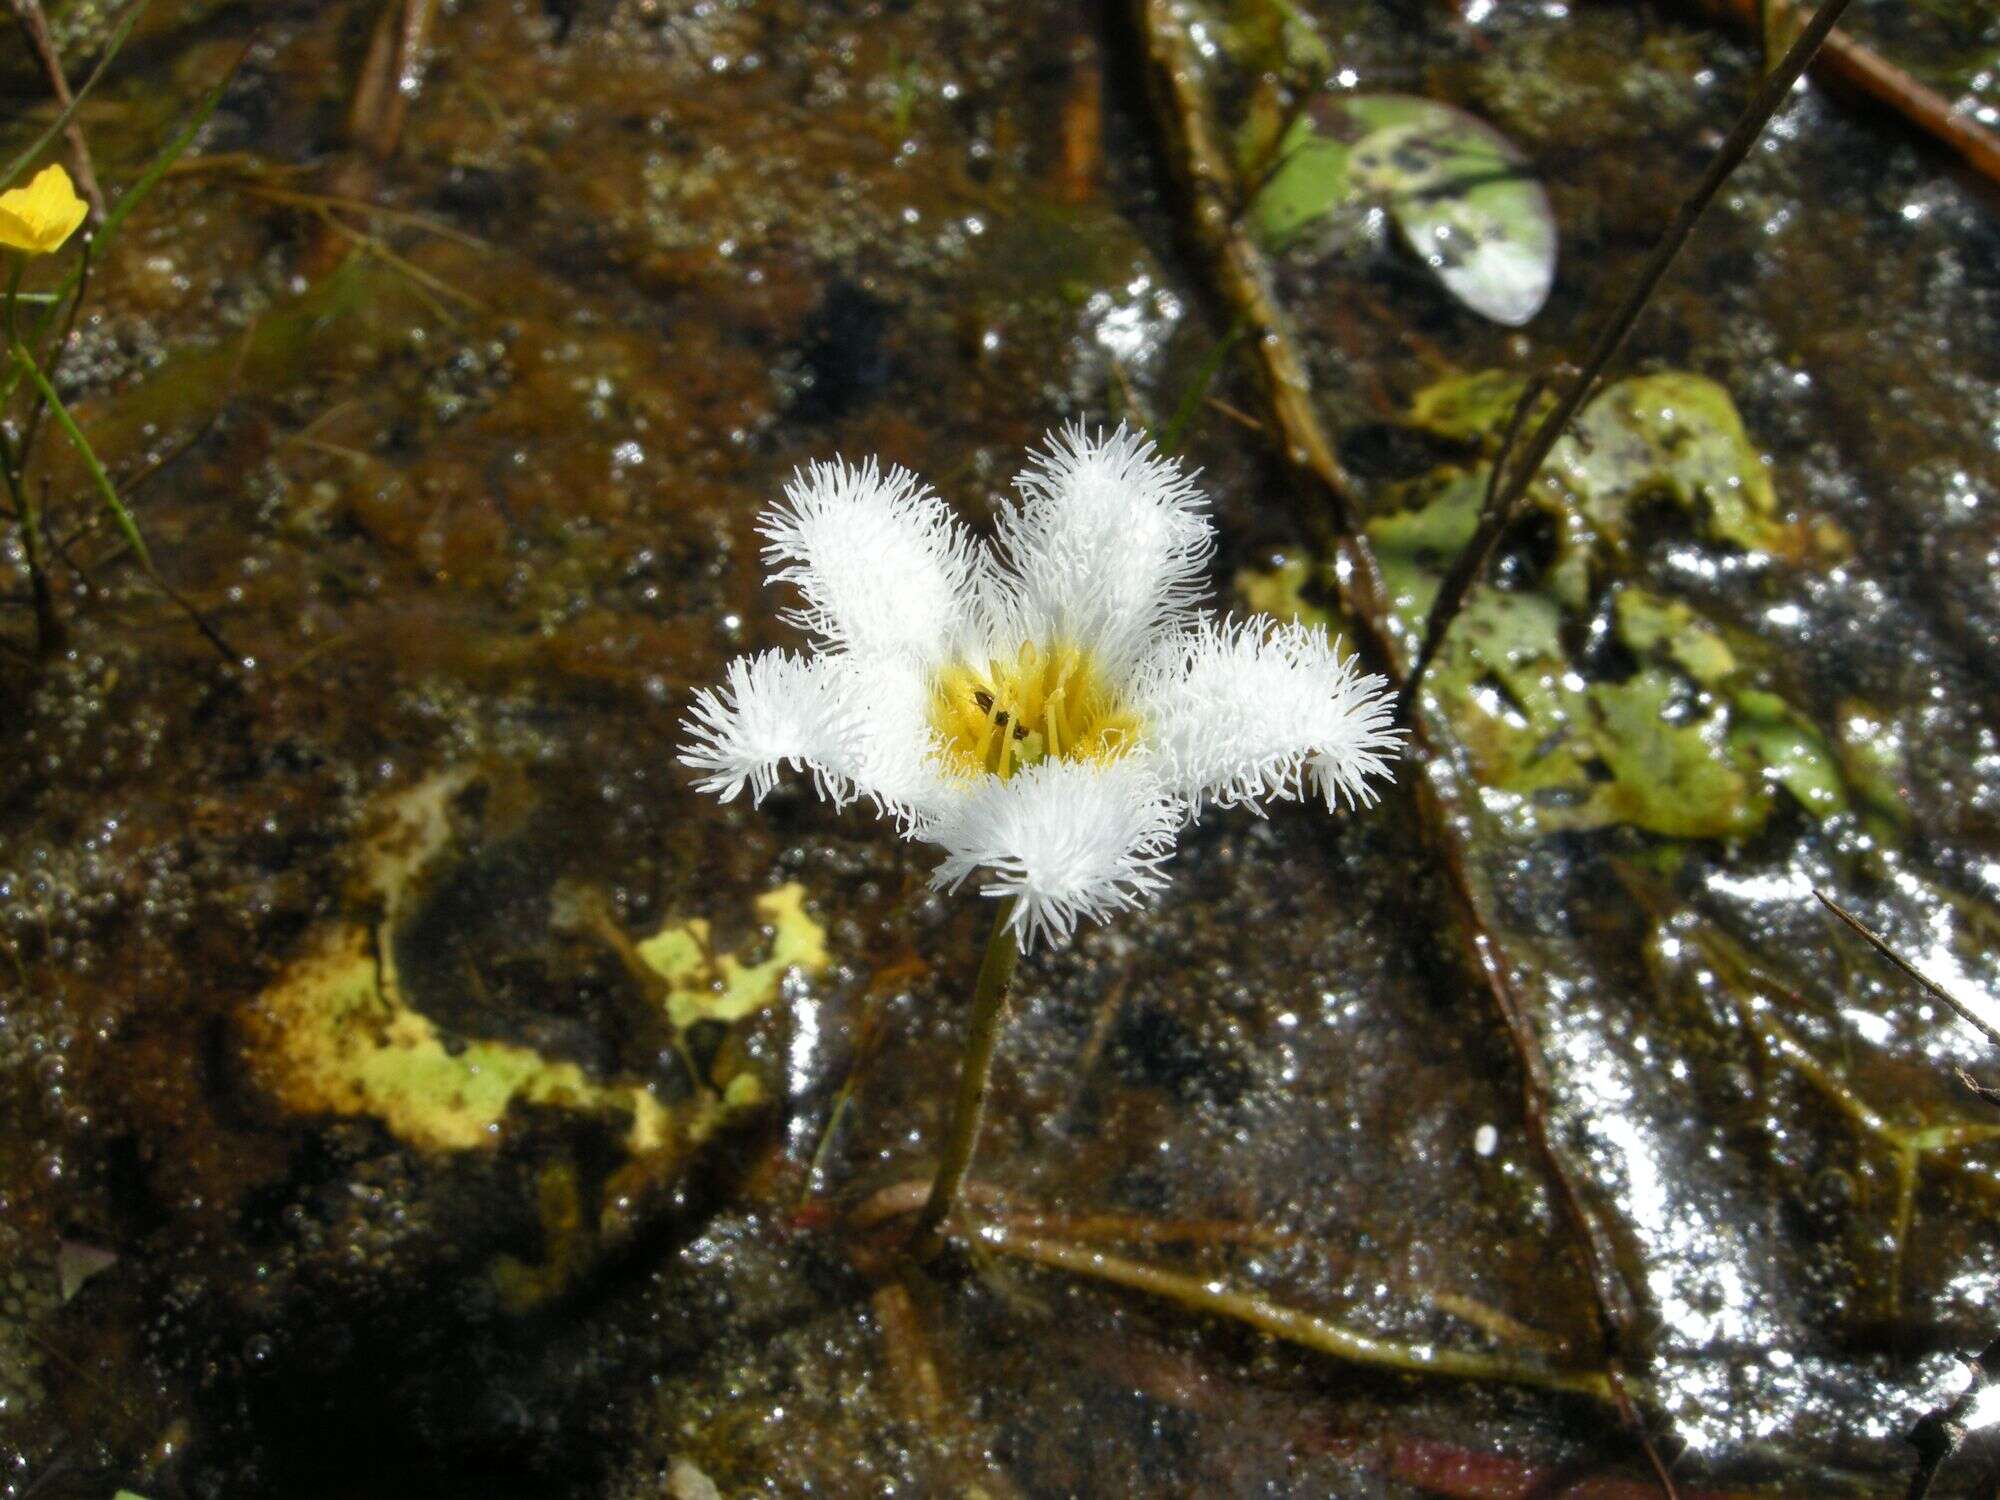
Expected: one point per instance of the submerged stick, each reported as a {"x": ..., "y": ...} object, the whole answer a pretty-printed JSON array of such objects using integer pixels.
[
  {"x": 1293, "y": 1325},
  {"x": 1869, "y": 73},
  {"x": 35, "y": 27},
  {"x": 989, "y": 1015}
]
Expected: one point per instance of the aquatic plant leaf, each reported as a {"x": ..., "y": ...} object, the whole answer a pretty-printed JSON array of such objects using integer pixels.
[
  {"x": 1774, "y": 739},
  {"x": 1691, "y": 744},
  {"x": 1652, "y": 625},
  {"x": 1677, "y": 436},
  {"x": 1670, "y": 775},
  {"x": 1459, "y": 191},
  {"x": 1465, "y": 200},
  {"x": 1310, "y": 180},
  {"x": 1468, "y": 408},
  {"x": 1671, "y": 435}
]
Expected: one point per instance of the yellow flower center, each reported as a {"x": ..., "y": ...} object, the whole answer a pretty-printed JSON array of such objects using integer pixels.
[{"x": 1048, "y": 703}]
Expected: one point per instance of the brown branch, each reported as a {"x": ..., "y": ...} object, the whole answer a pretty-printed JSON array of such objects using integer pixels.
[
  {"x": 376, "y": 114},
  {"x": 35, "y": 27},
  {"x": 1868, "y": 73}
]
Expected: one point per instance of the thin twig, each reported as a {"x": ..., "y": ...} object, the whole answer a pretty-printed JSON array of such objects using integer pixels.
[
  {"x": 1771, "y": 92},
  {"x": 35, "y": 27},
  {"x": 1876, "y": 941}
]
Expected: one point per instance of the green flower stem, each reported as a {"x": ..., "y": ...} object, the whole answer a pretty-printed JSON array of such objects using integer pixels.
[
  {"x": 18, "y": 264},
  {"x": 49, "y": 633},
  {"x": 989, "y": 1015}
]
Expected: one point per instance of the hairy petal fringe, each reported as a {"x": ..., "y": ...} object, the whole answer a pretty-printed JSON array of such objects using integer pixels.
[
  {"x": 880, "y": 562},
  {"x": 1243, "y": 712},
  {"x": 1071, "y": 840}
]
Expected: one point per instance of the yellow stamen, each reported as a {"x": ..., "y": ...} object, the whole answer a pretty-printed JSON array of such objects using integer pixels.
[{"x": 1049, "y": 702}]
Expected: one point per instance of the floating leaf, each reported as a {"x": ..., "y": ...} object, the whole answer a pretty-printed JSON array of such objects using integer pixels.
[
  {"x": 1466, "y": 202},
  {"x": 1309, "y": 181},
  {"x": 1459, "y": 191},
  {"x": 1676, "y": 435}
]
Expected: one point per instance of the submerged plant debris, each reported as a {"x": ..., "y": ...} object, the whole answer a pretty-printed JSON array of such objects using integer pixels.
[{"x": 410, "y": 1085}]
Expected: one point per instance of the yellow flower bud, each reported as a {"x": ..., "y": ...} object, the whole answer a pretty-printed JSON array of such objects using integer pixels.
[{"x": 39, "y": 217}]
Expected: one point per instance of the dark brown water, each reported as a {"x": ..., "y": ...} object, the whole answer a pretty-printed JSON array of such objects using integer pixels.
[{"x": 332, "y": 1004}]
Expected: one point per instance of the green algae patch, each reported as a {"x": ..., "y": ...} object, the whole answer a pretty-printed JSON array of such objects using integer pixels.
[
  {"x": 1671, "y": 436},
  {"x": 337, "y": 1034},
  {"x": 702, "y": 985},
  {"x": 1583, "y": 700},
  {"x": 339, "y": 1039},
  {"x": 1281, "y": 591}
]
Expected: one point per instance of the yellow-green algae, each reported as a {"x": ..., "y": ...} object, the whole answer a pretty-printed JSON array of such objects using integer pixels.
[
  {"x": 704, "y": 985},
  {"x": 337, "y": 1035},
  {"x": 1689, "y": 744}
]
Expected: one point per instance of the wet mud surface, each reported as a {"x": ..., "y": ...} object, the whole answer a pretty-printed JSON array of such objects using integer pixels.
[{"x": 410, "y": 1085}]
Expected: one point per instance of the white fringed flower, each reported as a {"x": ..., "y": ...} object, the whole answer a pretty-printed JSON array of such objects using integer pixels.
[{"x": 1050, "y": 710}]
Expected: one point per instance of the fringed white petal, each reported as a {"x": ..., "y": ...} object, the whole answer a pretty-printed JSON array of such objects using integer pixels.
[
  {"x": 1107, "y": 545},
  {"x": 881, "y": 564},
  {"x": 1068, "y": 839},
  {"x": 1246, "y": 711},
  {"x": 774, "y": 710},
  {"x": 888, "y": 750}
]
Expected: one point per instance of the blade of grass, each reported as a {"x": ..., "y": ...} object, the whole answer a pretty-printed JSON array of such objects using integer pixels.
[
  {"x": 1204, "y": 377},
  {"x": 123, "y": 517},
  {"x": 35, "y": 147},
  {"x": 88, "y": 454}
]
